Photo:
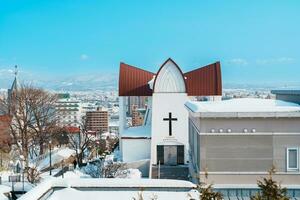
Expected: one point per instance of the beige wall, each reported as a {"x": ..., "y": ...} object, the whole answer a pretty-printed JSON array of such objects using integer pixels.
[
  {"x": 236, "y": 153},
  {"x": 251, "y": 154}
]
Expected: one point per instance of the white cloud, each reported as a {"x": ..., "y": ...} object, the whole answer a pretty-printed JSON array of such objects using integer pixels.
[
  {"x": 6, "y": 71},
  {"x": 84, "y": 57},
  {"x": 238, "y": 62},
  {"x": 281, "y": 60}
]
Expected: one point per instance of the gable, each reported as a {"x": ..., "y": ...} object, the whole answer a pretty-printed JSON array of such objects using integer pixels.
[{"x": 169, "y": 79}]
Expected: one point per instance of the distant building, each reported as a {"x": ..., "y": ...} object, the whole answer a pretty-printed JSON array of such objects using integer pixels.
[
  {"x": 137, "y": 116},
  {"x": 287, "y": 95},
  {"x": 68, "y": 111},
  {"x": 137, "y": 102},
  {"x": 5, "y": 138},
  {"x": 113, "y": 125},
  {"x": 97, "y": 121},
  {"x": 14, "y": 87}
]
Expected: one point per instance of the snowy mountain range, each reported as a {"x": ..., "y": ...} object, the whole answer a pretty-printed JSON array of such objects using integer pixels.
[{"x": 70, "y": 83}]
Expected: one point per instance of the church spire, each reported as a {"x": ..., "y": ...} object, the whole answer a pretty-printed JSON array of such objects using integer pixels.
[
  {"x": 15, "y": 83},
  {"x": 16, "y": 71}
]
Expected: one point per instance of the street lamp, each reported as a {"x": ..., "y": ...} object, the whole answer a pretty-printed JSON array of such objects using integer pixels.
[
  {"x": 22, "y": 159},
  {"x": 50, "y": 142},
  {"x": 62, "y": 168},
  {"x": 11, "y": 165}
]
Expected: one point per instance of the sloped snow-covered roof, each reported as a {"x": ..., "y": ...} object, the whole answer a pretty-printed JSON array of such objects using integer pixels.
[
  {"x": 244, "y": 105},
  {"x": 137, "y": 132}
]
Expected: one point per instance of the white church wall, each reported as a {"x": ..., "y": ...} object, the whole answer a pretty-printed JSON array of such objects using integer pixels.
[
  {"x": 135, "y": 149},
  {"x": 162, "y": 104}
]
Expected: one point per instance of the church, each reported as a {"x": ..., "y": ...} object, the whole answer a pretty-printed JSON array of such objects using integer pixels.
[{"x": 163, "y": 137}]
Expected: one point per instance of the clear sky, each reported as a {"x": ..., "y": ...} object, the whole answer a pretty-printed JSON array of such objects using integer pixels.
[{"x": 256, "y": 41}]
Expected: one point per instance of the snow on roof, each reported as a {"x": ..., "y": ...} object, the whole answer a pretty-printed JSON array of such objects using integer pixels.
[
  {"x": 151, "y": 82},
  {"x": 242, "y": 105},
  {"x": 112, "y": 189},
  {"x": 137, "y": 132}
]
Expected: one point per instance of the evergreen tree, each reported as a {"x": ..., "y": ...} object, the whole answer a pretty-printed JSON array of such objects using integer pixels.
[
  {"x": 206, "y": 190},
  {"x": 270, "y": 189}
]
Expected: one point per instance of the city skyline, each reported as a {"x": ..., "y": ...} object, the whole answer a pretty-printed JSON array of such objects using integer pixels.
[{"x": 58, "y": 41}]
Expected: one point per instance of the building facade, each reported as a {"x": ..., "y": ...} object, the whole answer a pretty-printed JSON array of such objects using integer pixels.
[
  {"x": 237, "y": 141},
  {"x": 68, "y": 111},
  {"x": 97, "y": 121}
]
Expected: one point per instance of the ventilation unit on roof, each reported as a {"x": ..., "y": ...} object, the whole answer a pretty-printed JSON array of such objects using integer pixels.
[
  {"x": 220, "y": 130},
  {"x": 245, "y": 130},
  {"x": 212, "y": 130},
  {"x": 229, "y": 130},
  {"x": 253, "y": 130}
]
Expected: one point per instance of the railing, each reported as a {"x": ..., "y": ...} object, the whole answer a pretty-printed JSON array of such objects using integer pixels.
[{"x": 41, "y": 157}]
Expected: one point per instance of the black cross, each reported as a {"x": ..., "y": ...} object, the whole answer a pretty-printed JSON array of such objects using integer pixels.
[{"x": 170, "y": 119}]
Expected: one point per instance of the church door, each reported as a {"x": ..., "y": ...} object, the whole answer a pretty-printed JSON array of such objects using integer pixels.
[{"x": 170, "y": 155}]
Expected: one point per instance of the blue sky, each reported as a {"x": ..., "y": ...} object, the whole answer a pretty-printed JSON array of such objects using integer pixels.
[{"x": 257, "y": 42}]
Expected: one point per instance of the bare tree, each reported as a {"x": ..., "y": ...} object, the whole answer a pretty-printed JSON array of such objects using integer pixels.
[
  {"x": 81, "y": 142},
  {"x": 32, "y": 113},
  {"x": 42, "y": 105}
]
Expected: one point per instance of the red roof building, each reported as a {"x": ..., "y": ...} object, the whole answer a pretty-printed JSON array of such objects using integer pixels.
[
  {"x": 204, "y": 81},
  {"x": 5, "y": 138}
]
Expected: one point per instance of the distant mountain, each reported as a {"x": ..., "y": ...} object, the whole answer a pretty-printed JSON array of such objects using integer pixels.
[{"x": 70, "y": 83}]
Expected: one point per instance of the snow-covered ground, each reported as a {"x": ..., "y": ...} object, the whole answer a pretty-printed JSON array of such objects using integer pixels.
[
  {"x": 17, "y": 186},
  {"x": 57, "y": 156}
]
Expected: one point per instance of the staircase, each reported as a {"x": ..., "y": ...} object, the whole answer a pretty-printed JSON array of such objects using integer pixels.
[{"x": 179, "y": 172}]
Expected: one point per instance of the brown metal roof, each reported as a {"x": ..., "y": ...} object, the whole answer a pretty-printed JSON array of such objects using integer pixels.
[
  {"x": 204, "y": 81},
  {"x": 133, "y": 81}
]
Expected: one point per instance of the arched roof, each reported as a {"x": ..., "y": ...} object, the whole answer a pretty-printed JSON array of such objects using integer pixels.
[{"x": 169, "y": 79}]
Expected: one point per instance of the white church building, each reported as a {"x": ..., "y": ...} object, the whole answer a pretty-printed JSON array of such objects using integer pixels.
[{"x": 163, "y": 137}]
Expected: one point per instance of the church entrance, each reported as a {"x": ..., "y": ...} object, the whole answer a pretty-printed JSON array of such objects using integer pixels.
[{"x": 170, "y": 154}]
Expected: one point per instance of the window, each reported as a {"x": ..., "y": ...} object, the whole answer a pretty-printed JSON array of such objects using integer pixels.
[{"x": 292, "y": 159}]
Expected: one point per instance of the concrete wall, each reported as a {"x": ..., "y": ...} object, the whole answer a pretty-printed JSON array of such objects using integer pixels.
[{"x": 135, "y": 149}]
